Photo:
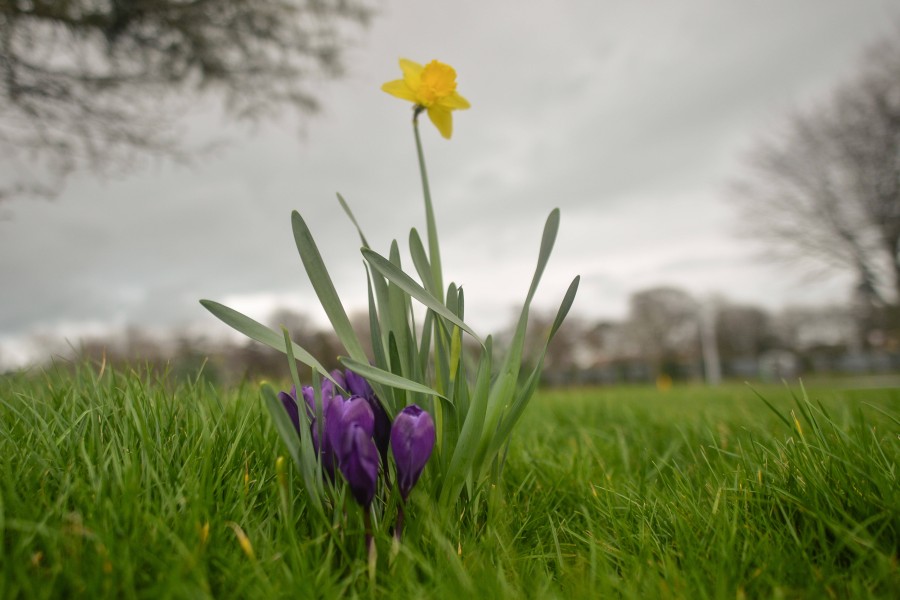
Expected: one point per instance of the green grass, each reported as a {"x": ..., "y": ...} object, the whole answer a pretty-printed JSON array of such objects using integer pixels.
[{"x": 108, "y": 482}]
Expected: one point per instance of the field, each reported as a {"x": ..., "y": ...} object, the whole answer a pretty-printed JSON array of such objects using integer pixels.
[{"x": 128, "y": 485}]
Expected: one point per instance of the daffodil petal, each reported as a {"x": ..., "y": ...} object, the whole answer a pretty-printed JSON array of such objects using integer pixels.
[
  {"x": 412, "y": 73},
  {"x": 455, "y": 101},
  {"x": 399, "y": 89},
  {"x": 410, "y": 66},
  {"x": 442, "y": 119}
]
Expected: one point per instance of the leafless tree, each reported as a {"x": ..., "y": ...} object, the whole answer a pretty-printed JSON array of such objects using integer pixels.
[
  {"x": 663, "y": 323},
  {"x": 742, "y": 331},
  {"x": 99, "y": 84},
  {"x": 826, "y": 191}
]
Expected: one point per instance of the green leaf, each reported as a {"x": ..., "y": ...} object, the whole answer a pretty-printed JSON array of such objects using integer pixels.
[
  {"x": 347, "y": 210},
  {"x": 551, "y": 227},
  {"x": 395, "y": 366},
  {"x": 397, "y": 304},
  {"x": 386, "y": 394},
  {"x": 505, "y": 386},
  {"x": 425, "y": 342},
  {"x": 288, "y": 435},
  {"x": 259, "y": 332},
  {"x": 510, "y": 418},
  {"x": 386, "y": 377},
  {"x": 420, "y": 261},
  {"x": 283, "y": 424},
  {"x": 405, "y": 282},
  {"x": 564, "y": 307},
  {"x": 322, "y": 284},
  {"x": 467, "y": 443}
]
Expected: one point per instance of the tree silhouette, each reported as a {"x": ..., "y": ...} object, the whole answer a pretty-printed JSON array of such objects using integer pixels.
[
  {"x": 99, "y": 84},
  {"x": 826, "y": 191}
]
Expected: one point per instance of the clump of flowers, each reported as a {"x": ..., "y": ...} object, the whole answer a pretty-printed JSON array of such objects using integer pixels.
[
  {"x": 423, "y": 410},
  {"x": 357, "y": 434}
]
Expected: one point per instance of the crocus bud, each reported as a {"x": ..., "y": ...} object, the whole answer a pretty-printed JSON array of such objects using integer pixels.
[
  {"x": 328, "y": 390},
  {"x": 358, "y": 386},
  {"x": 309, "y": 395},
  {"x": 350, "y": 429},
  {"x": 412, "y": 440},
  {"x": 289, "y": 401}
]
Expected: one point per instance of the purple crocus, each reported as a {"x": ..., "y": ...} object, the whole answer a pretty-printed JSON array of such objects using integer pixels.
[
  {"x": 349, "y": 428},
  {"x": 289, "y": 401},
  {"x": 358, "y": 386},
  {"x": 412, "y": 440}
]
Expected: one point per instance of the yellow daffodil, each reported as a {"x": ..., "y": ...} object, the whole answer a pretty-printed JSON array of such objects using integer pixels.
[{"x": 431, "y": 88}]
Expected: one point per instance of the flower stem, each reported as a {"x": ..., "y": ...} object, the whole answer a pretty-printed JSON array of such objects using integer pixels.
[
  {"x": 398, "y": 530},
  {"x": 371, "y": 550},
  {"x": 434, "y": 252}
]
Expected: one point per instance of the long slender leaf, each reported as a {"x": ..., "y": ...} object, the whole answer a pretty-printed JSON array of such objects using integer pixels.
[
  {"x": 425, "y": 342},
  {"x": 288, "y": 435},
  {"x": 405, "y": 282},
  {"x": 397, "y": 303},
  {"x": 283, "y": 424},
  {"x": 387, "y": 378},
  {"x": 551, "y": 227},
  {"x": 259, "y": 332},
  {"x": 347, "y": 210},
  {"x": 386, "y": 394},
  {"x": 311, "y": 469},
  {"x": 420, "y": 261},
  {"x": 564, "y": 307},
  {"x": 322, "y": 284},
  {"x": 510, "y": 418},
  {"x": 467, "y": 444},
  {"x": 505, "y": 385}
]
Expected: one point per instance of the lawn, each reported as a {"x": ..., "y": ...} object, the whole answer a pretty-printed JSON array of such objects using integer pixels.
[{"x": 126, "y": 484}]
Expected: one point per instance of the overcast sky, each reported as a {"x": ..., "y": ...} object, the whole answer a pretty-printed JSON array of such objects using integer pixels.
[{"x": 629, "y": 116}]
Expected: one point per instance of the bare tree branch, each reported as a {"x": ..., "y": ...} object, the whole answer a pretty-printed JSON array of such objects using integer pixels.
[
  {"x": 826, "y": 191},
  {"x": 100, "y": 84}
]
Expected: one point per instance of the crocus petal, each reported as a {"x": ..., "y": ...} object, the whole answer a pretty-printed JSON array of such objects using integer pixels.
[
  {"x": 442, "y": 119},
  {"x": 328, "y": 389},
  {"x": 357, "y": 385},
  {"x": 412, "y": 440},
  {"x": 357, "y": 411},
  {"x": 289, "y": 401},
  {"x": 310, "y": 396},
  {"x": 359, "y": 463},
  {"x": 338, "y": 376},
  {"x": 328, "y": 447},
  {"x": 333, "y": 422}
]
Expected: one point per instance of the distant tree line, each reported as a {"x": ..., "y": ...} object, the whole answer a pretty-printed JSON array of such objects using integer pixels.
[
  {"x": 669, "y": 334},
  {"x": 666, "y": 334}
]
